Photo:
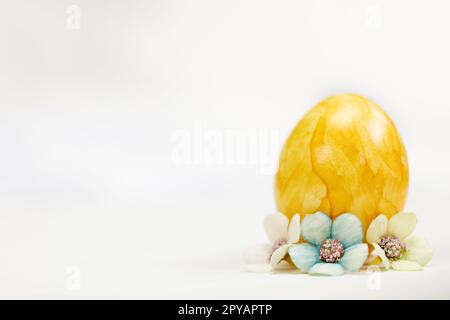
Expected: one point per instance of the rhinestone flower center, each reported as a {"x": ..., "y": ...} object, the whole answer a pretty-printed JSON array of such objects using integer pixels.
[
  {"x": 275, "y": 246},
  {"x": 392, "y": 246},
  {"x": 278, "y": 244},
  {"x": 331, "y": 251}
]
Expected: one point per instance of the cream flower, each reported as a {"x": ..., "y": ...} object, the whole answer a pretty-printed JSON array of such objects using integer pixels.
[
  {"x": 393, "y": 243},
  {"x": 281, "y": 233}
]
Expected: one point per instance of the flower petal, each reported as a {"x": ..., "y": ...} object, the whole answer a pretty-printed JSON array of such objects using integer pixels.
[
  {"x": 382, "y": 255},
  {"x": 354, "y": 257},
  {"x": 258, "y": 254},
  {"x": 278, "y": 255},
  {"x": 328, "y": 269},
  {"x": 377, "y": 228},
  {"x": 402, "y": 224},
  {"x": 418, "y": 250},
  {"x": 316, "y": 228},
  {"x": 405, "y": 265},
  {"x": 304, "y": 255},
  {"x": 348, "y": 229},
  {"x": 372, "y": 259},
  {"x": 276, "y": 226},
  {"x": 258, "y": 267},
  {"x": 293, "y": 234}
]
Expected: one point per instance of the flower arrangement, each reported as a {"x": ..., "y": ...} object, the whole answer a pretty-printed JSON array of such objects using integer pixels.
[{"x": 319, "y": 246}]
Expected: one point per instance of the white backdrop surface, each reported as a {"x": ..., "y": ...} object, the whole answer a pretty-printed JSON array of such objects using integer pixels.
[{"x": 117, "y": 175}]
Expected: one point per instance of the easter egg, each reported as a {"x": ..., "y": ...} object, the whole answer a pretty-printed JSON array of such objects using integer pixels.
[{"x": 345, "y": 155}]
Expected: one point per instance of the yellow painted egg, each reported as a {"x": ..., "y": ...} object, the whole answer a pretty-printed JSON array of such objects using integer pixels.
[{"x": 345, "y": 155}]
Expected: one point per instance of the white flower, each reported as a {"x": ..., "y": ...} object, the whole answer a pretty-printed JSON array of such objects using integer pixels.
[
  {"x": 393, "y": 243},
  {"x": 281, "y": 233}
]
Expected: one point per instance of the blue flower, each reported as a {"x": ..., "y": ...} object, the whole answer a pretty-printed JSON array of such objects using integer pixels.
[{"x": 331, "y": 248}]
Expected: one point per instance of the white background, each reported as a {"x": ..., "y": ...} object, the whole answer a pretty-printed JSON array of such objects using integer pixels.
[{"x": 95, "y": 201}]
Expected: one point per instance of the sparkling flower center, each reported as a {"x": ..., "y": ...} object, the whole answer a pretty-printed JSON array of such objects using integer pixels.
[
  {"x": 392, "y": 246},
  {"x": 275, "y": 246},
  {"x": 331, "y": 251},
  {"x": 278, "y": 244}
]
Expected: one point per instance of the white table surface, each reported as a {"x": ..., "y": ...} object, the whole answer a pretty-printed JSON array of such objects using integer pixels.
[{"x": 94, "y": 202}]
